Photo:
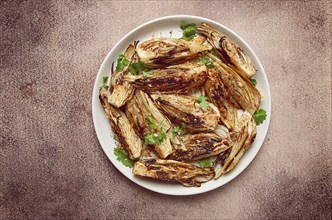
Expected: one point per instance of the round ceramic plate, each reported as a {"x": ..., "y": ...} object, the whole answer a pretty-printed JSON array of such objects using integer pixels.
[{"x": 163, "y": 27}]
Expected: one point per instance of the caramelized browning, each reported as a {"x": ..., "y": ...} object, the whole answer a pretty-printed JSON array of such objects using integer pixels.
[
  {"x": 161, "y": 52},
  {"x": 185, "y": 109},
  {"x": 180, "y": 80},
  {"x": 121, "y": 127},
  {"x": 171, "y": 170},
  {"x": 198, "y": 146}
]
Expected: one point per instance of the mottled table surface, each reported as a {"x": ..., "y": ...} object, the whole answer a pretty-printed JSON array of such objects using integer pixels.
[{"x": 51, "y": 163}]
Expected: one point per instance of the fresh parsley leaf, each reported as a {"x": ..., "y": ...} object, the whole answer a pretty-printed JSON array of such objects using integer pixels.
[
  {"x": 122, "y": 62},
  {"x": 178, "y": 130},
  {"x": 184, "y": 25},
  {"x": 189, "y": 33},
  {"x": 105, "y": 78},
  {"x": 205, "y": 163},
  {"x": 123, "y": 158},
  {"x": 149, "y": 119},
  {"x": 138, "y": 67},
  {"x": 147, "y": 73},
  {"x": 148, "y": 138},
  {"x": 253, "y": 81},
  {"x": 104, "y": 85},
  {"x": 132, "y": 69},
  {"x": 206, "y": 61},
  {"x": 209, "y": 65},
  {"x": 157, "y": 138},
  {"x": 260, "y": 116},
  {"x": 160, "y": 138},
  {"x": 189, "y": 30},
  {"x": 202, "y": 102}
]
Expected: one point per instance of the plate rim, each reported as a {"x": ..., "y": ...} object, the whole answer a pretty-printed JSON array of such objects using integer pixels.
[{"x": 95, "y": 95}]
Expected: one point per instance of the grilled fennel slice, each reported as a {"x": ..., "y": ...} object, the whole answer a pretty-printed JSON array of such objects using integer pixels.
[
  {"x": 180, "y": 79},
  {"x": 161, "y": 52},
  {"x": 241, "y": 89},
  {"x": 120, "y": 91},
  {"x": 138, "y": 109},
  {"x": 198, "y": 146},
  {"x": 242, "y": 140},
  {"x": 181, "y": 109},
  {"x": 124, "y": 132},
  {"x": 171, "y": 170},
  {"x": 216, "y": 92},
  {"x": 228, "y": 51}
]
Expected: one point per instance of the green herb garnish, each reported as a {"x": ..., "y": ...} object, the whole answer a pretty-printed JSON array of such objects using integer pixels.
[
  {"x": 104, "y": 85},
  {"x": 260, "y": 116},
  {"x": 123, "y": 158},
  {"x": 202, "y": 102},
  {"x": 253, "y": 81},
  {"x": 122, "y": 62},
  {"x": 205, "y": 163},
  {"x": 138, "y": 67},
  {"x": 148, "y": 138},
  {"x": 178, "y": 130},
  {"x": 152, "y": 125},
  {"x": 147, "y": 73},
  {"x": 161, "y": 136},
  {"x": 154, "y": 138},
  {"x": 185, "y": 25},
  {"x": 207, "y": 62},
  {"x": 189, "y": 30},
  {"x": 157, "y": 136}
]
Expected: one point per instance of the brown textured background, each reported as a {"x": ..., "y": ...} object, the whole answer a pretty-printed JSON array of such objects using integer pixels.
[{"x": 51, "y": 164}]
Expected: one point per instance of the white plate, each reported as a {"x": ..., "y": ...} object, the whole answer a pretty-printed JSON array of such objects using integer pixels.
[{"x": 162, "y": 27}]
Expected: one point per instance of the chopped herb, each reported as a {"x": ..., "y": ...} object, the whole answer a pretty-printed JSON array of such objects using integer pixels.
[
  {"x": 122, "y": 62},
  {"x": 206, "y": 61},
  {"x": 149, "y": 119},
  {"x": 260, "y": 116},
  {"x": 123, "y": 158},
  {"x": 147, "y": 73},
  {"x": 160, "y": 138},
  {"x": 178, "y": 130},
  {"x": 185, "y": 25},
  {"x": 138, "y": 67},
  {"x": 170, "y": 33},
  {"x": 189, "y": 30},
  {"x": 202, "y": 102},
  {"x": 253, "y": 81},
  {"x": 104, "y": 85},
  {"x": 148, "y": 138},
  {"x": 205, "y": 163},
  {"x": 132, "y": 69},
  {"x": 157, "y": 136}
]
